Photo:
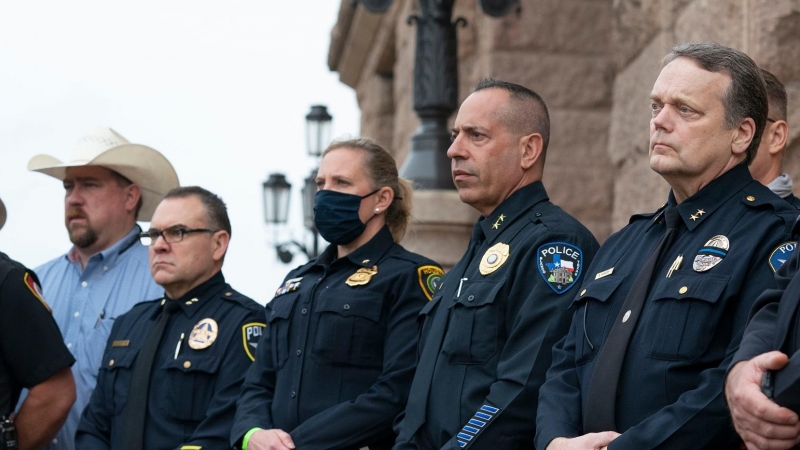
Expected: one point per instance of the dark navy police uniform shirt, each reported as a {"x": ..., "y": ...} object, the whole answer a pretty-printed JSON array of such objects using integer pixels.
[
  {"x": 503, "y": 308},
  {"x": 193, "y": 390},
  {"x": 776, "y": 322},
  {"x": 670, "y": 387},
  {"x": 335, "y": 364},
  {"x": 31, "y": 347}
]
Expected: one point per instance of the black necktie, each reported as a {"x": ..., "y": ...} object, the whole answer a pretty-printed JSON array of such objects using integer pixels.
[
  {"x": 415, "y": 417},
  {"x": 136, "y": 408},
  {"x": 599, "y": 414}
]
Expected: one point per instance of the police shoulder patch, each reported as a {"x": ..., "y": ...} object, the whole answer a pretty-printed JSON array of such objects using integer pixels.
[
  {"x": 781, "y": 254},
  {"x": 33, "y": 286},
  {"x": 251, "y": 333},
  {"x": 429, "y": 278},
  {"x": 560, "y": 264}
]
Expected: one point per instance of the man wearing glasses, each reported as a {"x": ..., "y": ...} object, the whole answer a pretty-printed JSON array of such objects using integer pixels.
[{"x": 172, "y": 367}]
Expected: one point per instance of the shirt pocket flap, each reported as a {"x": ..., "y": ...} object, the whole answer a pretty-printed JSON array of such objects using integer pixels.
[
  {"x": 699, "y": 286},
  {"x": 477, "y": 293},
  {"x": 281, "y": 307},
  {"x": 361, "y": 304},
  {"x": 119, "y": 358},
  {"x": 191, "y": 363},
  {"x": 600, "y": 290}
]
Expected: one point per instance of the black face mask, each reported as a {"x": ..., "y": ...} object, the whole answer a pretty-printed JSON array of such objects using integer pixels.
[{"x": 336, "y": 216}]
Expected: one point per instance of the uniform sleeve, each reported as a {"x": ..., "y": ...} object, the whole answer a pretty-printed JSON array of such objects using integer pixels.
[
  {"x": 541, "y": 318},
  {"x": 685, "y": 423},
  {"x": 214, "y": 429},
  {"x": 94, "y": 428},
  {"x": 760, "y": 333},
  {"x": 371, "y": 414},
  {"x": 32, "y": 344},
  {"x": 254, "y": 405}
]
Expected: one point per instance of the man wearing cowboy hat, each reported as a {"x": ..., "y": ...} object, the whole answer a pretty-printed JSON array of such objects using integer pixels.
[
  {"x": 32, "y": 355},
  {"x": 109, "y": 184}
]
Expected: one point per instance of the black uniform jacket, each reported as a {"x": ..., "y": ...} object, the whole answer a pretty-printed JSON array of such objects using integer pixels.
[
  {"x": 193, "y": 390},
  {"x": 794, "y": 201},
  {"x": 776, "y": 322},
  {"x": 31, "y": 347},
  {"x": 503, "y": 308},
  {"x": 670, "y": 386},
  {"x": 335, "y": 364}
]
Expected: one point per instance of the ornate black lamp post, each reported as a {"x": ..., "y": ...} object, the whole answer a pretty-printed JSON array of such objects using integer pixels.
[
  {"x": 435, "y": 85},
  {"x": 277, "y": 190}
]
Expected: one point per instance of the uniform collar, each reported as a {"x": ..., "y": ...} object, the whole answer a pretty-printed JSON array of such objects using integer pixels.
[
  {"x": 515, "y": 206},
  {"x": 365, "y": 256},
  {"x": 199, "y": 295},
  {"x": 110, "y": 254},
  {"x": 697, "y": 208}
]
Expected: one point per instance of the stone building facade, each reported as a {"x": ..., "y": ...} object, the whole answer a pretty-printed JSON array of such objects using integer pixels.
[{"x": 593, "y": 61}]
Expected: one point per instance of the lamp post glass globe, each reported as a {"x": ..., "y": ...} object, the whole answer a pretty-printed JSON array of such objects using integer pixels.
[
  {"x": 276, "y": 198},
  {"x": 318, "y": 129}
]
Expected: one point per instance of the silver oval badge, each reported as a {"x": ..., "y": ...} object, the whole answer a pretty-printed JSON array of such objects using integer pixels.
[{"x": 712, "y": 253}]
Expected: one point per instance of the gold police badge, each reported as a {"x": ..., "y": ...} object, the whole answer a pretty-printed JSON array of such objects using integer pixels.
[
  {"x": 362, "y": 276},
  {"x": 715, "y": 250},
  {"x": 203, "y": 334},
  {"x": 493, "y": 258}
]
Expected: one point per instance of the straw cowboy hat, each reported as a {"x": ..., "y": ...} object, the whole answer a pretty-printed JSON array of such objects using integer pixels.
[
  {"x": 2, "y": 214},
  {"x": 106, "y": 148}
]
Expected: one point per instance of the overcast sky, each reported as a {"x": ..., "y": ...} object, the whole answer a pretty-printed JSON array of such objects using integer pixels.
[{"x": 220, "y": 88}]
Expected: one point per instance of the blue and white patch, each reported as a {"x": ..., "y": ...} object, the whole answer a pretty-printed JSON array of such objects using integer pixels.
[
  {"x": 476, "y": 424},
  {"x": 781, "y": 254},
  {"x": 560, "y": 264}
]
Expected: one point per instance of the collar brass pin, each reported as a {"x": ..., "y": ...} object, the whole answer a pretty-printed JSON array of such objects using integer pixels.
[{"x": 362, "y": 276}]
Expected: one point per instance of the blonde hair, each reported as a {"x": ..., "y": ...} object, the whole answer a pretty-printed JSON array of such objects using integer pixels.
[{"x": 382, "y": 171}]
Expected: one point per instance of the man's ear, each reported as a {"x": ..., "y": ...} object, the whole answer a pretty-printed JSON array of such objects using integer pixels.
[
  {"x": 743, "y": 136},
  {"x": 132, "y": 196},
  {"x": 531, "y": 147},
  {"x": 779, "y": 137},
  {"x": 220, "y": 240}
]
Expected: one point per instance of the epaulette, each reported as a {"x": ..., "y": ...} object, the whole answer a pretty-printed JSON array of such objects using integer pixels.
[
  {"x": 756, "y": 195},
  {"x": 232, "y": 295},
  {"x": 646, "y": 216}
]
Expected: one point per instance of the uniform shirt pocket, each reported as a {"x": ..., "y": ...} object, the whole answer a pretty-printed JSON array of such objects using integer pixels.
[
  {"x": 591, "y": 316},
  {"x": 349, "y": 330},
  {"x": 189, "y": 386},
  {"x": 117, "y": 369},
  {"x": 474, "y": 321},
  {"x": 279, "y": 313},
  {"x": 682, "y": 315}
]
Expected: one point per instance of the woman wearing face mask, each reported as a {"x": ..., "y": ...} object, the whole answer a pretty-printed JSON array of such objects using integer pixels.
[{"x": 335, "y": 364}]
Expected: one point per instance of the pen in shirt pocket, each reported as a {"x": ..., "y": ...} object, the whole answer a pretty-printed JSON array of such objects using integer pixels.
[{"x": 100, "y": 319}]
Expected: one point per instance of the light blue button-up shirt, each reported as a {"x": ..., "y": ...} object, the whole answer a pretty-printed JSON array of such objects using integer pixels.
[{"x": 85, "y": 303}]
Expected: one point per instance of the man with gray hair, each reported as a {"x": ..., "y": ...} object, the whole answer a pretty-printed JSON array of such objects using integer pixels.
[
  {"x": 662, "y": 309},
  {"x": 767, "y": 167}
]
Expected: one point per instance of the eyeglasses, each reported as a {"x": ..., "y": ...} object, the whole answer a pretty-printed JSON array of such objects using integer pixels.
[
  {"x": 771, "y": 120},
  {"x": 171, "y": 234}
]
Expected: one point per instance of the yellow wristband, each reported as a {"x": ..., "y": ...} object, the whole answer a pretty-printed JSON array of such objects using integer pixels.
[{"x": 246, "y": 438}]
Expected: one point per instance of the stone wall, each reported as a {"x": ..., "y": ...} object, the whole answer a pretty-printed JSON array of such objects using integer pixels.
[{"x": 593, "y": 61}]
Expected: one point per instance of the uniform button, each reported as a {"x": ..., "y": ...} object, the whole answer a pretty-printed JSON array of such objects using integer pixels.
[
  {"x": 538, "y": 214},
  {"x": 304, "y": 311},
  {"x": 470, "y": 298},
  {"x": 77, "y": 314},
  {"x": 299, "y": 352},
  {"x": 69, "y": 344},
  {"x": 626, "y": 316},
  {"x": 111, "y": 363},
  {"x": 583, "y": 292},
  {"x": 750, "y": 198},
  {"x": 346, "y": 307},
  {"x": 228, "y": 294},
  {"x": 683, "y": 290},
  {"x": 84, "y": 284},
  {"x": 294, "y": 394},
  {"x": 187, "y": 364}
]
